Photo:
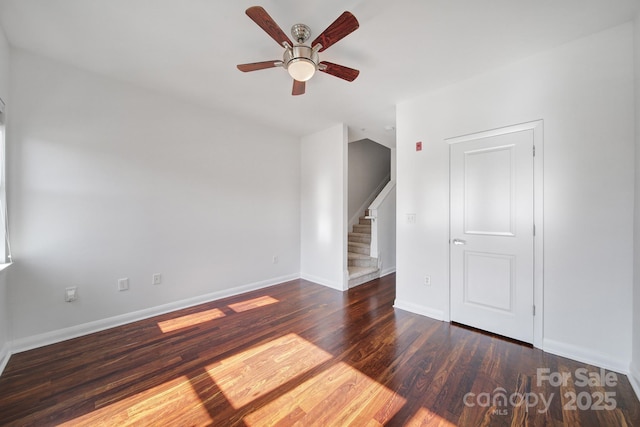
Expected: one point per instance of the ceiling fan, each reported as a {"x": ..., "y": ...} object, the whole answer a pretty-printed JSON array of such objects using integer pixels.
[{"x": 299, "y": 59}]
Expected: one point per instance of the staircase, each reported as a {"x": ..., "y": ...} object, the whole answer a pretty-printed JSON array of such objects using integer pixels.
[{"x": 362, "y": 267}]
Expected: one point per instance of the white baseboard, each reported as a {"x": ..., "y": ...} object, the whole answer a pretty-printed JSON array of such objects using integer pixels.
[
  {"x": 419, "y": 309},
  {"x": 5, "y": 354},
  {"x": 585, "y": 355},
  {"x": 387, "y": 271},
  {"x": 47, "y": 338},
  {"x": 634, "y": 379},
  {"x": 324, "y": 282}
]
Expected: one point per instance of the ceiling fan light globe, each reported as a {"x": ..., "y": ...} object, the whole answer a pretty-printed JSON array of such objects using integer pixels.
[{"x": 301, "y": 69}]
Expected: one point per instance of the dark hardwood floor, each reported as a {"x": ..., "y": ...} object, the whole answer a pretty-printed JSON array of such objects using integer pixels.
[{"x": 302, "y": 354}]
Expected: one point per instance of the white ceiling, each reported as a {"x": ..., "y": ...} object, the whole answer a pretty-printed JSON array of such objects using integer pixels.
[{"x": 189, "y": 48}]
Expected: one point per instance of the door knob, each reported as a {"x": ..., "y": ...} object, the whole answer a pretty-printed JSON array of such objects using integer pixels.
[{"x": 459, "y": 242}]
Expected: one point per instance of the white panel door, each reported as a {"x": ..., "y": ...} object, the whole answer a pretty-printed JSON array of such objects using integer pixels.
[{"x": 492, "y": 240}]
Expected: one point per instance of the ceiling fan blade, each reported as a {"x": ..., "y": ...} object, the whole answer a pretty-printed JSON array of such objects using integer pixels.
[
  {"x": 298, "y": 87},
  {"x": 264, "y": 21},
  {"x": 345, "y": 73},
  {"x": 341, "y": 27},
  {"x": 255, "y": 66}
]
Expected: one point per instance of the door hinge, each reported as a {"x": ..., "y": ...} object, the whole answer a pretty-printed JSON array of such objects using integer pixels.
[
  {"x": 534, "y": 151},
  {"x": 534, "y": 229},
  {"x": 534, "y": 310}
]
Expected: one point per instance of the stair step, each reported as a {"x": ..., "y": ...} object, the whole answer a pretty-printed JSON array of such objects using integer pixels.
[
  {"x": 360, "y": 237},
  {"x": 360, "y": 248},
  {"x": 361, "y": 260},
  {"x": 356, "y": 272},
  {"x": 359, "y": 228},
  {"x": 364, "y": 221},
  {"x": 354, "y": 255},
  {"x": 362, "y": 267},
  {"x": 360, "y": 275}
]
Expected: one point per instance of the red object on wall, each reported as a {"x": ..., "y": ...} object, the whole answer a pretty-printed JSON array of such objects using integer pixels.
[{"x": 419, "y": 146}]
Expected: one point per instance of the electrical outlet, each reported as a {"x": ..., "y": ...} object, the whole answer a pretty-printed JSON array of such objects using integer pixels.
[
  {"x": 71, "y": 294},
  {"x": 427, "y": 280},
  {"x": 275, "y": 259},
  {"x": 123, "y": 284},
  {"x": 411, "y": 218},
  {"x": 156, "y": 279}
]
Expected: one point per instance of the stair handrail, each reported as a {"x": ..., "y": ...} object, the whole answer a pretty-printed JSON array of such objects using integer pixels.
[
  {"x": 373, "y": 216},
  {"x": 354, "y": 219}
]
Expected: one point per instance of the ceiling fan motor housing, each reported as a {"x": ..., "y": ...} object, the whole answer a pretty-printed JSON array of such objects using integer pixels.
[{"x": 301, "y": 54}]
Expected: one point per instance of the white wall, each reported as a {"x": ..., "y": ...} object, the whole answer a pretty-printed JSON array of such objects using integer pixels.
[
  {"x": 635, "y": 361},
  {"x": 369, "y": 165},
  {"x": 584, "y": 93},
  {"x": 109, "y": 181},
  {"x": 4, "y": 307},
  {"x": 324, "y": 207},
  {"x": 4, "y": 66}
]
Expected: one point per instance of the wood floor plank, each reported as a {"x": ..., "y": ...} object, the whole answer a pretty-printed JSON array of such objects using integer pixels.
[{"x": 299, "y": 354}]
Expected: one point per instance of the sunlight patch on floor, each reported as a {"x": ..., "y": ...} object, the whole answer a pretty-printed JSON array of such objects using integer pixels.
[
  {"x": 190, "y": 320},
  {"x": 355, "y": 399},
  {"x": 243, "y": 377},
  {"x": 252, "y": 303},
  {"x": 154, "y": 406}
]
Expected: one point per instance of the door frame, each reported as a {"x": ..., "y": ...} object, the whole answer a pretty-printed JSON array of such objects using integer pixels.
[{"x": 537, "y": 127}]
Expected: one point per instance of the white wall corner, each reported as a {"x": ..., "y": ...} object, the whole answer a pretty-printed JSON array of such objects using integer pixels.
[
  {"x": 345, "y": 207},
  {"x": 5, "y": 355},
  {"x": 419, "y": 309},
  {"x": 324, "y": 282},
  {"x": 634, "y": 379},
  {"x": 387, "y": 271},
  {"x": 634, "y": 368},
  {"x": 586, "y": 355},
  {"x": 323, "y": 247}
]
